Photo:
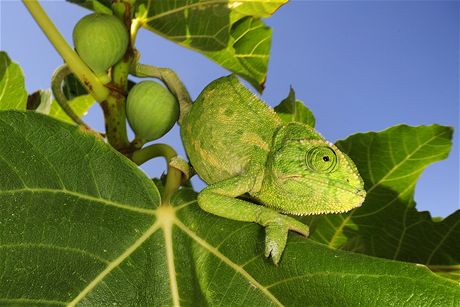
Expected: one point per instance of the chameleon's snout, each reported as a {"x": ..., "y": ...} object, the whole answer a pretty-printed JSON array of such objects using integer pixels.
[{"x": 362, "y": 194}]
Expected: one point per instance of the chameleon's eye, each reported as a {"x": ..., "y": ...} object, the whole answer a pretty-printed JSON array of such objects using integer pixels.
[{"x": 321, "y": 159}]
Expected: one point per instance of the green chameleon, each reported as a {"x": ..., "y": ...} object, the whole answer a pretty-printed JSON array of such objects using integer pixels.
[{"x": 240, "y": 146}]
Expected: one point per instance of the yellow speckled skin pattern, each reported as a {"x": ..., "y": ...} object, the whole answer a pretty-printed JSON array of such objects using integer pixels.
[
  {"x": 221, "y": 139},
  {"x": 239, "y": 145}
]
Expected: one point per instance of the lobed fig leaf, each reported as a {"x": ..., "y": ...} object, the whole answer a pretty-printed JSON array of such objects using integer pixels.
[
  {"x": 151, "y": 110},
  {"x": 101, "y": 41}
]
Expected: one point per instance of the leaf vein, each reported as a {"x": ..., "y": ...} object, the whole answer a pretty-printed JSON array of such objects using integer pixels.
[
  {"x": 10, "y": 301},
  {"x": 48, "y": 246},
  {"x": 81, "y": 196},
  {"x": 228, "y": 262},
  {"x": 442, "y": 241}
]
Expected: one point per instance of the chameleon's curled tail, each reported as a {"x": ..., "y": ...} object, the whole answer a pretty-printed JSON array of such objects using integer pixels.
[
  {"x": 171, "y": 80},
  {"x": 56, "y": 86}
]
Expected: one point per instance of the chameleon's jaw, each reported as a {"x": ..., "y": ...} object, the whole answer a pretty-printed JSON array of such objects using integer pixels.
[
  {"x": 340, "y": 185},
  {"x": 360, "y": 196},
  {"x": 314, "y": 195}
]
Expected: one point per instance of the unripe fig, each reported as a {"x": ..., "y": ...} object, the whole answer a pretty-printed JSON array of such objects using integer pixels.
[
  {"x": 101, "y": 41},
  {"x": 151, "y": 110}
]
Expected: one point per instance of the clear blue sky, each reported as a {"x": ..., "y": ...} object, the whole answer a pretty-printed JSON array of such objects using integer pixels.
[{"x": 359, "y": 65}]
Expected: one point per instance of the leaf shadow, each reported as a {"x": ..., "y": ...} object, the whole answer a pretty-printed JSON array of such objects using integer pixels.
[{"x": 385, "y": 226}]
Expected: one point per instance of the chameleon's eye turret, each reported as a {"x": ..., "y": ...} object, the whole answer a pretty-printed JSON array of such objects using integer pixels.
[{"x": 321, "y": 159}]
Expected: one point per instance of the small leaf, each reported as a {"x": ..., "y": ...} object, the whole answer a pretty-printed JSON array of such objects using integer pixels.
[
  {"x": 292, "y": 110},
  {"x": 46, "y": 100},
  {"x": 388, "y": 225},
  {"x": 247, "y": 52},
  {"x": 13, "y": 94},
  {"x": 80, "y": 106}
]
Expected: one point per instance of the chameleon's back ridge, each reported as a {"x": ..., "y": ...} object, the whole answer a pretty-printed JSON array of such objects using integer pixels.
[{"x": 214, "y": 126}]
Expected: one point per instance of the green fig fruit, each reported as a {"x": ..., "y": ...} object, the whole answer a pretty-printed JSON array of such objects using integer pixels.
[
  {"x": 151, "y": 110},
  {"x": 101, "y": 41}
]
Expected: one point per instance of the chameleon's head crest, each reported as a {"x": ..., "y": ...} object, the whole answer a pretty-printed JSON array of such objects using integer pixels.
[{"x": 313, "y": 174}]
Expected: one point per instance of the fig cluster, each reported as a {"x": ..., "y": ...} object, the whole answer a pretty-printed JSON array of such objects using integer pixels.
[{"x": 101, "y": 41}]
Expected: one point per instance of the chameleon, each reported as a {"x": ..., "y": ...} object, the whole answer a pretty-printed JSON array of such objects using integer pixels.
[{"x": 259, "y": 169}]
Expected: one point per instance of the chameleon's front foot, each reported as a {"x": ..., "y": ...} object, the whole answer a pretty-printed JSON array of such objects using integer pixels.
[
  {"x": 276, "y": 234},
  {"x": 219, "y": 199}
]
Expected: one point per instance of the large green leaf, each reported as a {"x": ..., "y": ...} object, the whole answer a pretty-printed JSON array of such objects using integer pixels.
[
  {"x": 198, "y": 24},
  {"x": 70, "y": 207},
  {"x": 13, "y": 94},
  {"x": 201, "y": 24},
  {"x": 388, "y": 225},
  {"x": 227, "y": 31},
  {"x": 81, "y": 224}
]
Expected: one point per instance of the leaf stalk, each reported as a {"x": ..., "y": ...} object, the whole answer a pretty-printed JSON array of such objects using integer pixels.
[{"x": 173, "y": 177}]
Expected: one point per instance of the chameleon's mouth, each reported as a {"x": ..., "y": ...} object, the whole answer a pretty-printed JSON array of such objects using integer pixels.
[{"x": 361, "y": 192}]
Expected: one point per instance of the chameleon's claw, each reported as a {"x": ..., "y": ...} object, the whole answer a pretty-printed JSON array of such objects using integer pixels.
[
  {"x": 275, "y": 241},
  {"x": 277, "y": 234}
]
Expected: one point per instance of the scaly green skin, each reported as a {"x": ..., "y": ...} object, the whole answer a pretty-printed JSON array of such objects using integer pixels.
[{"x": 238, "y": 145}]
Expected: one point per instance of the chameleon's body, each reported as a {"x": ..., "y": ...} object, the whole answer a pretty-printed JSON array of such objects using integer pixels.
[
  {"x": 239, "y": 145},
  {"x": 223, "y": 140}
]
